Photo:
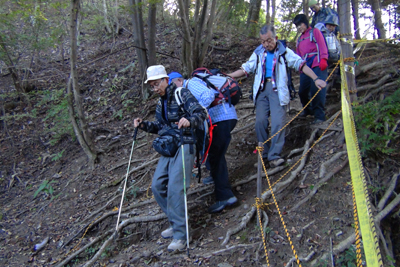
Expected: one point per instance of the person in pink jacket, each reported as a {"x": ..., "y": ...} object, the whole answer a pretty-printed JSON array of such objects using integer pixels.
[{"x": 311, "y": 46}]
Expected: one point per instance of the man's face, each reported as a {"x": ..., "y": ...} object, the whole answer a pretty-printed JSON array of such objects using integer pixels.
[
  {"x": 268, "y": 41},
  {"x": 330, "y": 27},
  {"x": 178, "y": 82},
  {"x": 315, "y": 8},
  {"x": 159, "y": 86},
  {"x": 301, "y": 28}
]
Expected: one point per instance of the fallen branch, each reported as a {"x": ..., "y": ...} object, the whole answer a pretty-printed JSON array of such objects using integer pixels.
[{"x": 318, "y": 185}]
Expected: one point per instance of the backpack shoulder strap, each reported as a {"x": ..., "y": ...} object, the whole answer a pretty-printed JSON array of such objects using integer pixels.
[{"x": 178, "y": 97}]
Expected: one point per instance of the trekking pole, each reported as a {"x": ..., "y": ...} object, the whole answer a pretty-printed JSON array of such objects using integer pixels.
[
  {"x": 126, "y": 178},
  {"x": 184, "y": 193}
]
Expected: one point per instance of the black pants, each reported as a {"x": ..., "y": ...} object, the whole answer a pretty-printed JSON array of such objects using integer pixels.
[{"x": 216, "y": 161}]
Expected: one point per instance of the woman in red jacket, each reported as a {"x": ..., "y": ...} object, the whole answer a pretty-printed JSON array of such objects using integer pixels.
[{"x": 311, "y": 47}]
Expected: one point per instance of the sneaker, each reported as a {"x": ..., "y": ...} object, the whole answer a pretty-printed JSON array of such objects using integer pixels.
[
  {"x": 220, "y": 205},
  {"x": 167, "y": 233},
  {"x": 276, "y": 162},
  {"x": 208, "y": 180},
  {"x": 177, "y": 245}
]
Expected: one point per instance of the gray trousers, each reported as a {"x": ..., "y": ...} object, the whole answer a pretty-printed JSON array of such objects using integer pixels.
[
  {"x": 167, "y": 187},
  {"x": 267, "y": 105}
]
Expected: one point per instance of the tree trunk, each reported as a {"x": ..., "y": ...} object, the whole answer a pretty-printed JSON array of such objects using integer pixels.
[
  {"x": 11, "y": 68},
  {"x": 354, "y": 7},
  {"x": 152, "y": 33},
  {"x": 268, "y": 11},
  {"x": 81, "y": 130},
  {"x": 376, "y": 9},
  {"x": 137, "y": 21},
  {"x": 305, "y": 8},
  {"x": 106, "y": 21},
  {"x": 273, "y": 12},
  {"x": 253, "y": 17},
  {"x": 116, "y": 17},
  {"x": 196, "y": 39},
  {"x": 347, "y": 48}
]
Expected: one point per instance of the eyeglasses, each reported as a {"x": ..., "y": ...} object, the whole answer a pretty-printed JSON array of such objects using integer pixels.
[
  {"x": 270, "y": 41},
  {"x": 156, "y": 84}
]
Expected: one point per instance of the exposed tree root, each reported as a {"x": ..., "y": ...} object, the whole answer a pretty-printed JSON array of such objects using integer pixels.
[
  {"x": 322, "y": 170},
  {"x": 230, "y": 248},
  {"x": 278, "y": 186},
  {"x": 345, "y": 244},
  {"x": 388, "y": 192},
  {"x": 376, "y": 85},
  {"x": 82, "y": 249},
  {"x": 318, "y": 185},
  {"x": 306, "y": 259}
]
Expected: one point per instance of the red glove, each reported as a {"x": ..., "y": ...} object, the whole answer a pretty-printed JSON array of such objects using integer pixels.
[{"x": 323, "y": 64}]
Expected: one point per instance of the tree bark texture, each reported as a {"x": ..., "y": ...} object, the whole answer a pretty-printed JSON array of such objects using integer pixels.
[
  {"x": 273, "y": 12},
  {"x": 253, "y": 17},
  {"x": 81, "y": 129},
  {"x": 268, "y": 12},
  {"x": 376, "y": 8},
  {"x": 354, "y": 7},
  {"x": 106, "y": 21},
  {"x": 347, "y": 48},
  {"x": 305, "y": 8},
  {"x": 152, "y": 33},
  {"x": 11, "y": 68},
  {"x": 197, "y": 33},
  {"x": 137, "y": 22}
]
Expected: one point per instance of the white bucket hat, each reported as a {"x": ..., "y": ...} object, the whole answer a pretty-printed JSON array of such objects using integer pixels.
[{"x": 156, "y": 72}]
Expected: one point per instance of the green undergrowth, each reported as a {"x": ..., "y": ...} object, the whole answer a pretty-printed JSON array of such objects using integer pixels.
[{"x": 376, "y": 122}]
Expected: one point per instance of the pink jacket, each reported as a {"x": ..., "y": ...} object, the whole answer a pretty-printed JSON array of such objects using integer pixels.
[{"x": 307, "y": 46}]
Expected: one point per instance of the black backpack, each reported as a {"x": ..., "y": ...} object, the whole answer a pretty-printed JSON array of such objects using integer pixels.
[{"x": 290, "y": 85}]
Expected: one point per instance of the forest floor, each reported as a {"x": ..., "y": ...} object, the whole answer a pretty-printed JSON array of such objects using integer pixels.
[{"x": 76, "y": 205}]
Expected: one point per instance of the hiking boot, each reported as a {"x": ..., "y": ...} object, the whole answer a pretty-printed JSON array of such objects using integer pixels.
[
  {"x": 208, "y": 180},
  {"x": 220, "y": 205},
  {"x": 177, "y": 245},
  {"x": 276, "y": 162},
  {"x": 265, "y": 163},
  {"x": 302, "y": 115},
  {"x": 167, "y": 233}
]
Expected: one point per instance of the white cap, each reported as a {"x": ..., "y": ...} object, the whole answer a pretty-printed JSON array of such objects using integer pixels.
[{"x": 156, "y": 72}]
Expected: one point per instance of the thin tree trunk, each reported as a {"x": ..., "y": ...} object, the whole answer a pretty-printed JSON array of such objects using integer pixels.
[
  {"x": 106, "y": 21},
  {"x": 187, "y": 53},
  {"x": 268, "y": 11},
  {"x": 376, "y": 8},
  {"x": 137, "y": 21},
  {"x": 152, "y": 21},
  {"x": 305, "y": 8},
  {"x": 82, "y": 130},
  {"x": 253, "y": 17},
  {"x": 347, "y": 48},
  {"x": 209, "y": 35},
  {"x": 11, "y": 68},
  {"x": 116, "y": 12},
  {"x": 273, "y": 12},
  {"x": 354, "y": 7}
]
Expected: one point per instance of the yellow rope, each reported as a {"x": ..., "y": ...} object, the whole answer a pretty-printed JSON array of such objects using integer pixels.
[
  {"x": 259, "y": 205},
  {"x": 330, "y": 75},
  {"x": 357, "y": 229}
]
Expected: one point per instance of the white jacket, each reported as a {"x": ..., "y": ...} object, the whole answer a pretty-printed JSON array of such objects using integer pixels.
[{"x": 254, "y": 64}]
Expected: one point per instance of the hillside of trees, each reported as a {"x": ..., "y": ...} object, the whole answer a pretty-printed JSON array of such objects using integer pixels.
[{"x": 72, "y": 80}]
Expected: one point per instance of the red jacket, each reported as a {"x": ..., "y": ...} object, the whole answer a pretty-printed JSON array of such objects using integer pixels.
[{"x": 306, "y": 46}]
